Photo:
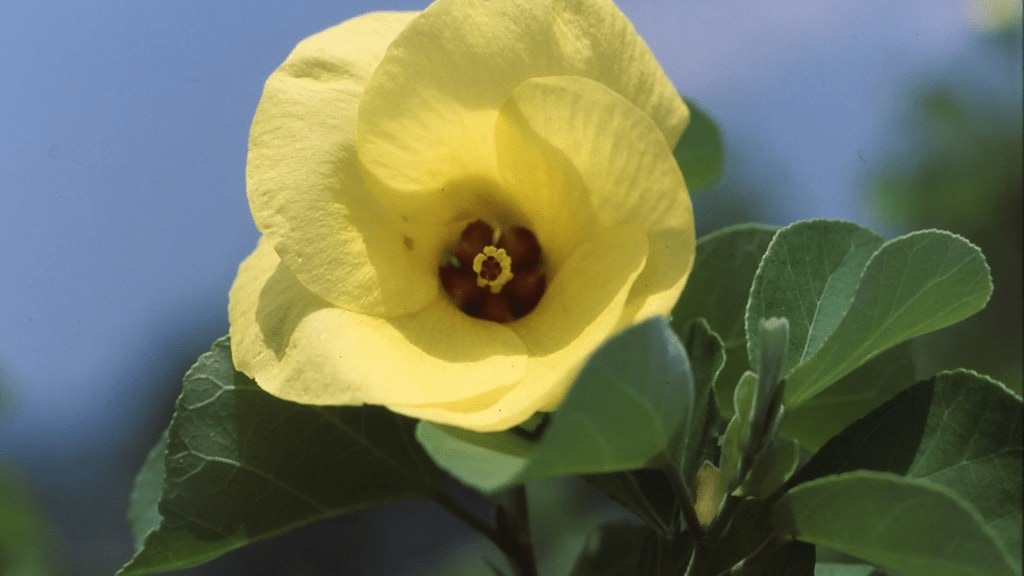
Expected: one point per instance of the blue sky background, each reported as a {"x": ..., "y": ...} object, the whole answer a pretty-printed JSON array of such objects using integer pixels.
[{"x": 123, "y": 217}]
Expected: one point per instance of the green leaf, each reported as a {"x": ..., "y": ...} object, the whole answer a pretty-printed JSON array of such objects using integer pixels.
[
  {"x": 837, "y": 569},
  {"x": 707, "y": 492},
  {"x": 645, "y": 493},
  {"x": 624, "y": 549},
  {"x": 774, "y": 333},
  {"x": 958, "y": 430},
  {"x": 717, "y": 290},
  {"x": 859, "y": 392},
  {"x": 749, "y": 530},
  {"x": 737, "y": 433},
  {"x": 913, "y": 285},
  {"x": 906, "y": 524},
  {"x": 25, "y": 547},
  {"x": 489, "y": 462},
  {"x": 790, "y": 559},
  {"x": 752, "y": 460},
  {"x": 623, "y": 413},
  {"x": 700, "y": 152},
  {"x": 242, "y": 465},
  {"x": 774, "y": 341},
  {"x": 707, "y": 356},
  {"x": 774, "y": 465},
  {"x": 809, "y": 276},
  {"x": 847, "y": 303},
  {"x": 143, "y": 513}
]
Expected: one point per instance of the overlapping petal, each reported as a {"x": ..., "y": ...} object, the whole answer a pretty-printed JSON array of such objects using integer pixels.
[
  {"x": 426, "y": 119},
  {"x": 577, "y": 157},
  {"x": 301, "y": 348},
  {"x": 305, "y": 186}
]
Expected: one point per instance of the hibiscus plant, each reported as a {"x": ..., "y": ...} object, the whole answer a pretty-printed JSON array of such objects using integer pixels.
[{"x": 478, "y": 267}]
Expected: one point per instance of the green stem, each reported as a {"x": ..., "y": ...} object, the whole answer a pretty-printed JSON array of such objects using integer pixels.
[
  {"x": 713, "y": 534},
  {"x": 650, "y": 515},
  {"x": 699, "y": 559},
  {"x": 665, "y": 556},
  {"x": 514, "y": 531},
  {"x": 453, "y": 507},
  {"x": 672, "y": 552},
  {"x": 685, "y": 500},
  {"x": 761, "y": 555}
]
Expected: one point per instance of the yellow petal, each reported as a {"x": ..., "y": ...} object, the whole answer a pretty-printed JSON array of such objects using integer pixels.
[
  {"x": 578, "y": 157},
  {"x": 305, "y": 185},
  {"x": 542, "y": 183},
  {"x": 579, "y": 311},
  {"x": 669, "y": 262},
  {"x": 426, "y": 118},
  {"x": 300, "y": 348}
]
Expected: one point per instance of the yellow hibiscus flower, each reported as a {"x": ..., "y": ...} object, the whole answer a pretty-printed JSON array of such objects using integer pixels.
[{"x": 458, "y": 206}]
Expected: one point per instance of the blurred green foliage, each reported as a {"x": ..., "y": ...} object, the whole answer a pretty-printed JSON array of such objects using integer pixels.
[
  {"x": 25, "y": 546},
  {"x": 958, "y": 168}
]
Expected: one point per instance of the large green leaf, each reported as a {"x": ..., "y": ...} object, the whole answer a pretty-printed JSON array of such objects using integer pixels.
[
  {"x": 647, "y": 493},
  {"x": 837, "y": 569},
  {"x": 854, "y": 395},
  {"x": 243, "y": 465},
  {"x": 913, "y": 285},
  {"x": 699, "y": 151},
  {"x": 808, "y": 276},
  {"x": 143, "y": 507},
  {"x": 840, "y": 316},
  {"x": 958, "y": 430},
  {"x": 910, "y": 525},
  {"x": 623, "y": 413},
  {"x": 717, "y": 290}
]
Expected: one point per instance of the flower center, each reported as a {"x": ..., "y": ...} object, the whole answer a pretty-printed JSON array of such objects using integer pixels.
[
  {"x": 494, "y": 275},
  {"x": 493, "y": 268}
]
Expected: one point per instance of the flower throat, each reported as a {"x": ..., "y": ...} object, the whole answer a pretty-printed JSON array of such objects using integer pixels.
[{"x": 494, "y": 276}]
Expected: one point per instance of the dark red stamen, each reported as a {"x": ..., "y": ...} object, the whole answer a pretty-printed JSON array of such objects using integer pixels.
[
  {"x": 477, "y": 236},
  {"x": 497, "y": 308},
  {"x": 460, "y": 284},
  {"x": 525, "y": 289},
  {"x": 521, "y": 245}
]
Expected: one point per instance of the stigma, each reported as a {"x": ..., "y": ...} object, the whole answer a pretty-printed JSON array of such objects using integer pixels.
[{"x": 493, "y": 267}]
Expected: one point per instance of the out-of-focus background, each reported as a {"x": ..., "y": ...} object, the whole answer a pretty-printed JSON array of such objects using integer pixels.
[{"x": 123, "y": 216}]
